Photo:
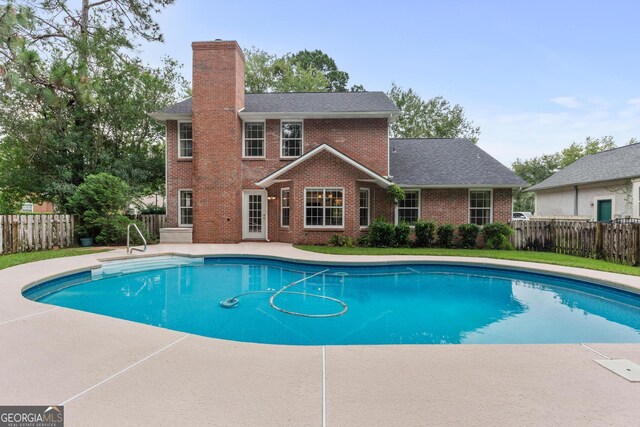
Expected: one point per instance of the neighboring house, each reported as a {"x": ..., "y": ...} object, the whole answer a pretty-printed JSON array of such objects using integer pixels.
[
  {"x": 154, "y": 200},
  {"x": 599, "y": 187},
  {"x": 300, "y": 167},
  {"x": 44, "y": 207}
]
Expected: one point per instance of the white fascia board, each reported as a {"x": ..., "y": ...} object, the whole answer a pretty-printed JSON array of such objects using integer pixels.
[
  {"x": 311, "y": 115},
  {"x": 163, "y": 117},
  {"x": 414, "y": 186}
]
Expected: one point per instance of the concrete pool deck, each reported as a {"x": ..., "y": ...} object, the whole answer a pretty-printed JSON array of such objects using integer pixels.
[{"x": 108, "y": 371}]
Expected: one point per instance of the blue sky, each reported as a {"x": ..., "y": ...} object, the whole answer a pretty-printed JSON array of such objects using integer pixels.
[{"x": 535, "y": 76}]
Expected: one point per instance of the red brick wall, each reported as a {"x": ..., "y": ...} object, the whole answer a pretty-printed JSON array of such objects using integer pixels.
[
  {"x": 179, "y": 173},
  {"x": 502, "y": 204},
  {"x": 324, "y": 171},
  {"x": 218, "y": 93},
  {"x": 451, "y": 205},
  {"x": 364, "y": 140}
]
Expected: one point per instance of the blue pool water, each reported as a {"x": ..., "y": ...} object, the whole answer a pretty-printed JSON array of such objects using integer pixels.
[{"x": 387, "y": 304}]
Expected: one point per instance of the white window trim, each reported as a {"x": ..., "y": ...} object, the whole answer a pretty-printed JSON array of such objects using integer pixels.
[
  {"x": 419, "y": 204},
  {"x": 302, "y": 143},
  {"x": 27, "y": 205},
  {"x": 180, "y": 224},
  {"x": 282, "y": 190},
  {"x": 595, "y": 206},
  {"x": 264, "y": 139},
  {"x": 304, "y": 211},
  {"x": 368, "y": 190},
  {"x": 178, "y": 136},
  {"x": 490, "y": 190}
]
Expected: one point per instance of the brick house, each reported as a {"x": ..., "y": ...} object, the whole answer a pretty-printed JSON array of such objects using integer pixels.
[{"x": 300, "y": 167}]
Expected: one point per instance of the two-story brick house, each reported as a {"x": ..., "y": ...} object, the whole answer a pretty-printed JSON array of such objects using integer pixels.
[{"x": 300, "y": 167}]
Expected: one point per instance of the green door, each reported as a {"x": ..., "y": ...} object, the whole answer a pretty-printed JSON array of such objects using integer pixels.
[{"x": 604, "y": 210}]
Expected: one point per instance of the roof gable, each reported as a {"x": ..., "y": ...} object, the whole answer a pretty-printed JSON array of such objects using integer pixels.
[
  {"x": 447, "y": 162},
  {"x": 271, "y": 178},
  {"x": 614, "y": 164}
]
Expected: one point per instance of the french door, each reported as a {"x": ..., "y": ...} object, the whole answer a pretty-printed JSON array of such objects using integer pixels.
[{"x": 254, "y": 214}]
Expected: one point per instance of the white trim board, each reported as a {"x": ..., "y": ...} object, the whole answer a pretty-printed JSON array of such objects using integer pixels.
[{"x": 271, "y": 179}]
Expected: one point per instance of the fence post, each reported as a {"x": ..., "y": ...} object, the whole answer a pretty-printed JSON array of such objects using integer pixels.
[{"x": 599, "y": 240}]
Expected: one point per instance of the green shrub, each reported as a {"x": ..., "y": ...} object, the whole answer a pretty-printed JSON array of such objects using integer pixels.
[
  {"x": 402, "y": 231},
  {"x": 10, "y": 202},
  {"x": 381, "y": 233},
  {"x": 496, "y": 236},
  {"x": 100, "y": 202},
  {"x": 446, "y": 233},
  {"x": 425, "y": 233},
  {"x": 468, "y": 235},
  {"x": 364, "y": 240},
  {"x": 338, "y": 240},
  {"x": 153, "y": 210}
]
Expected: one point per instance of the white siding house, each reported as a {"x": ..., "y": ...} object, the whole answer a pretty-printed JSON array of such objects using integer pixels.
[{"x": 599, "y": 187}]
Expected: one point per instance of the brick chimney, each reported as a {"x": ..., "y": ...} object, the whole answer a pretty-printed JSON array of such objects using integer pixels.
[{"x": 218, "y": 95}]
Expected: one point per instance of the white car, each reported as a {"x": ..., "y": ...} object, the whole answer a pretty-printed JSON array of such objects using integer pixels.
[{"x": 524, "y": 216}]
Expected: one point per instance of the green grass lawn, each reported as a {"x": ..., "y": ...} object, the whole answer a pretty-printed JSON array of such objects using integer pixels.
[
  {"x": 7, "y": 261},
  {"x": 541, "y": 257}
]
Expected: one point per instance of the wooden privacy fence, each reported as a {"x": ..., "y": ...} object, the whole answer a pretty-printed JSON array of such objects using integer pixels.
[
  {"x": 24, "y": 233},
  {"x": 617, "y": 242},
  {"x": 153, "y": 223}
]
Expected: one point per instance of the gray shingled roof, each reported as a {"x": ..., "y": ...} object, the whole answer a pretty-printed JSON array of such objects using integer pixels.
[
  {"x": 447, "y": 162},
  {"x": 332, "y": 102},
  {"x": 618, "y": 163},
  {"x": 304, "y": 102},
  {"x": 182, "y": 108}
]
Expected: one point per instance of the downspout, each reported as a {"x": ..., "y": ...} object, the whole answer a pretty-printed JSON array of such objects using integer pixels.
[{"x": 575, "y": 200}]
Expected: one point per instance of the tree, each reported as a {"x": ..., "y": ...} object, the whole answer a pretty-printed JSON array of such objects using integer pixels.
[
  {"x": 100, "y": 202},
  {"x": 434, "y": 118},
  {"x": 318, "y": 60},
  {"x": 74, "y": 96},
  {"x": 305, "y": 71},
  {"x": 539, "y": 168},
  {"x": 290, "y": 77}
]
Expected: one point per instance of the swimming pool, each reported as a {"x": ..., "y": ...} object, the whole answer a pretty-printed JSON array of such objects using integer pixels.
[{"x": 408, "y": 303}]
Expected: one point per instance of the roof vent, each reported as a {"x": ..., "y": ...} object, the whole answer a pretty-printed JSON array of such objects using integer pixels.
[{"x": 217, "y": 40}]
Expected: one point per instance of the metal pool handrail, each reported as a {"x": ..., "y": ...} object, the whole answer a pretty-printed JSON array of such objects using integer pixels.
[{"x": 131, "y": 249}]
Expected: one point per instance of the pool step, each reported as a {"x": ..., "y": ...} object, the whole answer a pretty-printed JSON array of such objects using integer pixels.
[{"x": 114, "y": 268}]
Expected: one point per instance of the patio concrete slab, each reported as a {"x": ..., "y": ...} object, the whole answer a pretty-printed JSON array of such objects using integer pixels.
[
  {"x": 12, "y": 280},
  {"x": 113, "y": 372},
  {"x": 203, "y": 381},
  {"x": 46, "y": 359},
  {"x": 617, "y": 351},
  {"x": 475, "y": 385}
]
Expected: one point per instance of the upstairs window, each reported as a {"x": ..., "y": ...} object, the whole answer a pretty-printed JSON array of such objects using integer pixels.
[
  {"x": 253, "y": 139},
  {"x": 408, "y": 210},
  {"x": 185, "y": 140},
  {"x": 480, "y": 207},
  {"x": 291, "y": 138}
]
